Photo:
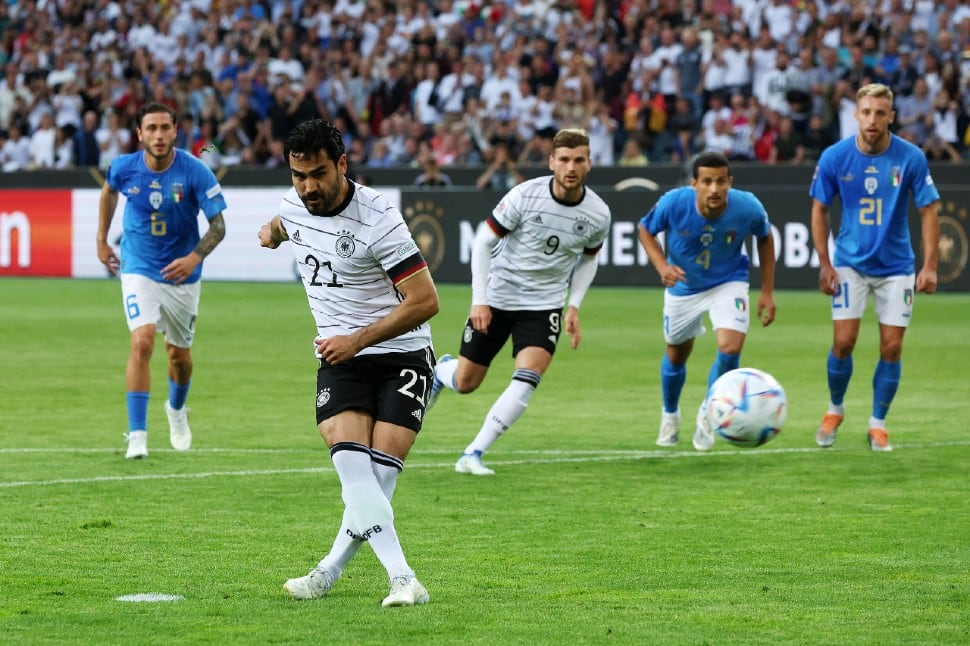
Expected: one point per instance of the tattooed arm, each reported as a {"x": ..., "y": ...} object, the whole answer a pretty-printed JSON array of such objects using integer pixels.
[{"x": 181, "y": 268}]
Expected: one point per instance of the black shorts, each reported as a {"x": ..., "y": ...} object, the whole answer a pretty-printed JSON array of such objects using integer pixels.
[
  {"x": 527, "y": 328},
  {"x": 391, "y": 387}
]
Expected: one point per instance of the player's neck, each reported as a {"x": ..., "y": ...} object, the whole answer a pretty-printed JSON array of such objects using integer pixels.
[
  {"x": 877, "y": 148},
  {"x": 159, "y": 164}
]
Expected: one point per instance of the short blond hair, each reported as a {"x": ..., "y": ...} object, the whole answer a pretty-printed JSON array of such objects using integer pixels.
[
  {"x": 877, "y": 90},
  {"x": 570, "y": 138}
]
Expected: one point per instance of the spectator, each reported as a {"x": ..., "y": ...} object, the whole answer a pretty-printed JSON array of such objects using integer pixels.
[
  {"x": 502, "y": 174},
  {"x": 15, "y": 153},
  {"x": 789, "y": 147},
  {"x": 943, "y": 141},
  {"x": 63, "y": 150},
  {"x": 912, "y": 112},
  {"x": 601, "y": 128},
  {"x": 431, "y": 175},
  {"x": 683, "y": 127},
  {"x": 113, "y": 140},
  {"x": 817, "y": 137},
  {"x": 87, "y": 152},
  {"x": 42, "y": 143},
  {"x": 632, "y": 154}
]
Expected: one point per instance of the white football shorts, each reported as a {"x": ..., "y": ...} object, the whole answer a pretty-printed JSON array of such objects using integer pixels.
[
  {"x": 891, "y": 295},
  {"x": 171, "y": 308},
  {"x": 727, "y": 305}
]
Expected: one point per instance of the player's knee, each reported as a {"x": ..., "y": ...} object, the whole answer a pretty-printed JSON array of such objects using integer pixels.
[{"x": 891, "y": 350}]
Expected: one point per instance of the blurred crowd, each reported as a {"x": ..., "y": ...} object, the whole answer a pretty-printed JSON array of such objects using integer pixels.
[{"x": 438, "y": 83}]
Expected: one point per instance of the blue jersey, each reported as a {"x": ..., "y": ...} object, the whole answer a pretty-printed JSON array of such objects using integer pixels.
[
  {"x": 161, "y": 220},
  {"x": 709, "y": 251},
  {"x": 874, "y": 190}
]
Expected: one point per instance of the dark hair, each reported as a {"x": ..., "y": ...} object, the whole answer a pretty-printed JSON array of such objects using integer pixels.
[
  {"x": 310, "y": 137},
  {"x": 151, "y": 108},
  {"x": 710, "y": 159}
]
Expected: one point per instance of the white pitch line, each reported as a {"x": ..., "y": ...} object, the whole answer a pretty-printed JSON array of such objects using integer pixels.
[{"x": 567, "y": 457}]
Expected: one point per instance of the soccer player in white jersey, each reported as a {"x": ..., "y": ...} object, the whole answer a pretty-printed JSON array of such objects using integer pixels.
[
  {"x": 371, "y": 296},
  {"x": 705, "y": 269},
  {"x": 161, "y": 263},
  {"x": 539, "y": 243},
  {"x": 873, "y": 174}
]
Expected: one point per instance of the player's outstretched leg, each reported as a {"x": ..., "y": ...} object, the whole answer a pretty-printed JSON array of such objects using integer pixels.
[{"x": 438, "y": 381}]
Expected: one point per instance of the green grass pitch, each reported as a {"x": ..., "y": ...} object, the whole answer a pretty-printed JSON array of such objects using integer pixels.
[{"x": 588, "y": 534}]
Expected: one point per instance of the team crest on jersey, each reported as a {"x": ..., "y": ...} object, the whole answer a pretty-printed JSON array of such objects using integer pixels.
[
  {"x": 871, "y": 184},
  {"x": 178, "y": 190},
  {"x": 155, "y": 199},
  {"x": 730, "y": 236},
  {"x": 323, "y": 397},
  {"x": 581, "y": 226},
  {"x": 707, "y": 238},
  {"x": 345, "y": 244}
]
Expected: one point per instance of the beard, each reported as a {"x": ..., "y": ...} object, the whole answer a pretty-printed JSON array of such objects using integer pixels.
[{"x": 321, "y": 201}]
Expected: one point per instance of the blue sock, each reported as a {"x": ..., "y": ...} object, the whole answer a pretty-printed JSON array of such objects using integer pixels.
[
  {"x": 884, "y": 383},
  {"x": 839, "y": 371},
  {"x": 672, "y": 380},
  {"x": 137, "y": 410},
  {"x": 723, "y": 362},
  {"x": 177, "y": 394}
]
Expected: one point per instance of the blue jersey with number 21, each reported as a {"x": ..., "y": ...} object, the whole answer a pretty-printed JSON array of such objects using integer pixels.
[
  {"x": 709, "y": 251},
  {"x": 161, "y": 221},
  {"x": 873, "y": 236}
]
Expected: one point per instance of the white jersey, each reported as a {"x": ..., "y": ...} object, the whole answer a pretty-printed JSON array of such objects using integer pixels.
[
  {"x": 350, "y": 260},
  {"x": 541, "y": 240}
]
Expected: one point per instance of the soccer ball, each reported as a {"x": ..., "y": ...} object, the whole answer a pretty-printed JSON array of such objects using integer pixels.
[{"x": 747, "y": 407}]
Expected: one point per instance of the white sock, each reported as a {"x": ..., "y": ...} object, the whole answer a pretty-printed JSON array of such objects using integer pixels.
[
  {"x": 371, "y": 514},
  {"x": 837, "y": 409},
  {"x": 875, "y": 422},
  {"x": 445, "y": 372},
  {"x": 347, "y": 543},
  {"x": 506, "y": 410}
]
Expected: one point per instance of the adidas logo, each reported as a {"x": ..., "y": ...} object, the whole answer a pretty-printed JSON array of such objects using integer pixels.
[
  {"x": 417, "y": 414},
  {"x": 537, "y": 219},
  {"x": 296, "y": 236}
]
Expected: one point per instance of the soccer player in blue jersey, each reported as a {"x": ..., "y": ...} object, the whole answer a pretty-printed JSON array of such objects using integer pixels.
[
  {"x": 705, "y": 269},
  {"x": 161, "y": 263},
  {"x": 873, "y": 174}
]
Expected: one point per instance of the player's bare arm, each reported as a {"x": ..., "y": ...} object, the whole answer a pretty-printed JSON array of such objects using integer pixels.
[
  {"x": 572, "y": 326},
  {"x": 828, "y": 278},
  {"x": 272, "y": 234},
  {"x": 669, "y": 274},
  {"x": 766, "y": 301},
  {"x": 480, "y": 314},
  {"x": 927, "y": 279},
  {"x": 106, "y": 212},
  {"x": 181, "y": 268},
  {"x": 419, "y": 304}
]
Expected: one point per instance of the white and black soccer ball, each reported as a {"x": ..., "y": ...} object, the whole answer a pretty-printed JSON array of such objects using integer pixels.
[{"x": 747, "y": 407}]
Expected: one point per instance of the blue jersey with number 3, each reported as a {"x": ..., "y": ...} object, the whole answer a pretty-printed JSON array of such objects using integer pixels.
[
  {"x": 709, "y": 251},
  {"x": 161, "y": 220},
  {"x": 874, "y": 190}
]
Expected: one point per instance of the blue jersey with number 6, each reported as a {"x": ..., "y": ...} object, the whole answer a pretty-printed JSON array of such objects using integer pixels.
[
  {"x": 873, "y": 236},
  {"x": 161, "y": 220},
  {"x": 709, "y": 251}
]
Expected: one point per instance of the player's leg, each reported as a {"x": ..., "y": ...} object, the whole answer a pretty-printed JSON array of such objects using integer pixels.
[
  {"x": 534, "y": 337},
  {"x": 893, "y": 300},
  {"x": 730, "y": 314},
  {"x": 466, "y": 373},
  {"x": 682, "y": 324},
  {"x": 139, "y": 295},
  {"x": 179, "y": 308},
  {"x": 848, "y": 305}
]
